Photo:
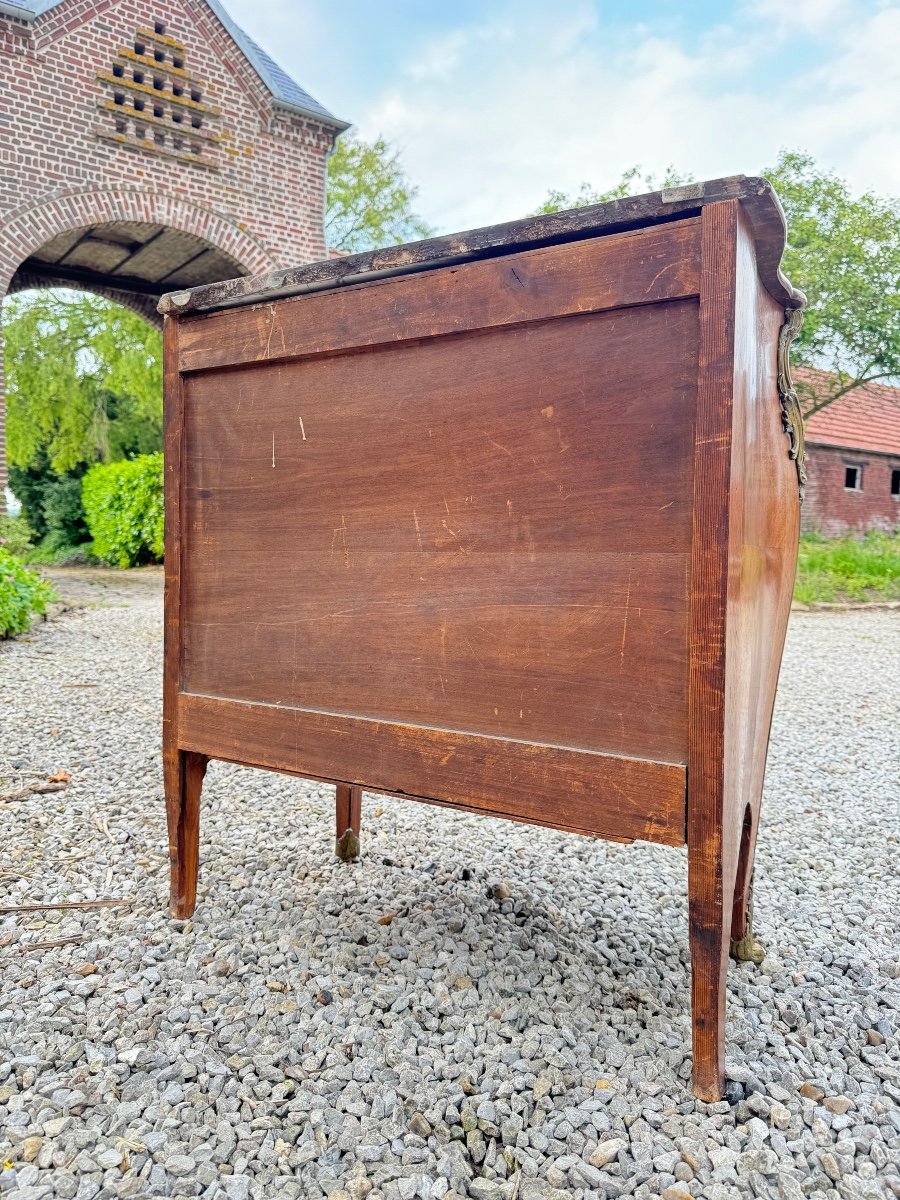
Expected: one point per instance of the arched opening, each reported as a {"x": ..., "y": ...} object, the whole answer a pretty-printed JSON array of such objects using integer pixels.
[
  {"x": 127, "y": 246},
  {"x": 136, "y": 259},
  {"x": 84, "y": 386}
]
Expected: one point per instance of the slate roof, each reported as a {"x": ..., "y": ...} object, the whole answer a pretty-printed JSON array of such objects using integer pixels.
[
  {"x": 868, "y": 418},
  {"x": 286, "y": 92}
]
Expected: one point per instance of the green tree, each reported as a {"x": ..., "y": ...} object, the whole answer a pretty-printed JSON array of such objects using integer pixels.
[
  {"x": 632, "y": 183},
  {"x": 370, "y": 200},
  {"x": 83, "y": 381},
  {"x": 844, "y": 253}
]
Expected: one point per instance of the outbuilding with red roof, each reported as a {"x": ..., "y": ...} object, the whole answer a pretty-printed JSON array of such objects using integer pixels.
[{"x": 853, "y": 459}]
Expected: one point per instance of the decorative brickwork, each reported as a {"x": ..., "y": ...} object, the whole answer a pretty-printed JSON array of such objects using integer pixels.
[{"x": 142, "y": 149}]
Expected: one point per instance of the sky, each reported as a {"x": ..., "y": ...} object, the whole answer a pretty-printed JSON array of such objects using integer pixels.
[{"x": 494, "y": 103}]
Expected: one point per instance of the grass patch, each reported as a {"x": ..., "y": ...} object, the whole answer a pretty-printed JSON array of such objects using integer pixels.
[{"x": 841, "y": 570}]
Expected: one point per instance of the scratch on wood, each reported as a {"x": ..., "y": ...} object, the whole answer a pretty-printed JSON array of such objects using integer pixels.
[
  {"x": 505, "y": 449},
  {"x": 418, "y": 533},
  {"x": 302, "y": 430},
  {"x": 661, "y": 271},
  {"x": 273, "y": 316},
  {"x": 625, "y": 621},
  {"x": 273, "y": 447},
  {"x": 341, "y": 532}
]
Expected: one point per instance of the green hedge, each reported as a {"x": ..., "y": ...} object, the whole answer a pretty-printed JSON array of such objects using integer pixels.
[
  {"x": 123, "y": 505},
  {"x": 23, "y": 594}
]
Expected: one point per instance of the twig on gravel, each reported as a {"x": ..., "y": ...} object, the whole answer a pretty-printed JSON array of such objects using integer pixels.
[
  {"x": 25, "y": 947},
  {"x": 30, "y": 789},
  {"x": 19, "y": 908}
]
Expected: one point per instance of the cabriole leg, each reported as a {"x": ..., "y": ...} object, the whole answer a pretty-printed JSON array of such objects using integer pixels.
[
  {"x": 348, "y": 814},
  {"x": 184, "y": 773}
]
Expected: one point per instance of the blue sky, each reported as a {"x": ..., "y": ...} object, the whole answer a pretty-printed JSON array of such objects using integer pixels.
[{"x": 494, "y": 103}]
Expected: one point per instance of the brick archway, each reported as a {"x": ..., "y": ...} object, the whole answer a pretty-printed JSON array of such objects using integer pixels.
[
  {"x": 33, "y": 226},
  {"x": 27, "y": 229},
  {"x": 153, "y": 146}
]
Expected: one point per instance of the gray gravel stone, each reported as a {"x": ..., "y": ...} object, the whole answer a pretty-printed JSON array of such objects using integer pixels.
[{"x": 536, "y": 1042}]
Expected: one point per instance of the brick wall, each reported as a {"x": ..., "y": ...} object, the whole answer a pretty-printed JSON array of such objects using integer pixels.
[
  {"x": 830, "y": 508},
  {"x": 260, "y": 199}
]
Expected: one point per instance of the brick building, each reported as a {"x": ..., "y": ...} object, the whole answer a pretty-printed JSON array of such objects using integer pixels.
[
  {"x": 147, "y": 145},
  {"x": 853, "y": 461}
]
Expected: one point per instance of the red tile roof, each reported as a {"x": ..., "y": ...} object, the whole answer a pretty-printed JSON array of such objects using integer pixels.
[{"x": 868, "y": 418}]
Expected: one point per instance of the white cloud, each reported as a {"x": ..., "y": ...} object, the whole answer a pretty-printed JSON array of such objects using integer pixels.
[{"x": 492, "y": 116}]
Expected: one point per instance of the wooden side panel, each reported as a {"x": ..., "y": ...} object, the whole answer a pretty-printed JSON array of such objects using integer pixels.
[
  {"x": 711, "y": 863},
  {"x": 641, "y": 267},
  {"x": 488, "y": 533},
  {"x": 744, "y": 553},
  {"x": 764, "y": 531},
  {"x": 602, "y": 795}
]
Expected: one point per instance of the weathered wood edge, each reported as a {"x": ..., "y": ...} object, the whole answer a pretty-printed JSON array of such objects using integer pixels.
[{"x": 757, "y": 195}]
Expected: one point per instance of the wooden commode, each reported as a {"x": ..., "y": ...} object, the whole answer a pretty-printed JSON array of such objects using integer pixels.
[{"x": 505, "y": 521}]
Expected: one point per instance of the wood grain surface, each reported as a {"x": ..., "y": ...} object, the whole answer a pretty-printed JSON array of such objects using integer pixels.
[
  {"x": 625, "y": 798},
  {"x": 454, "y": 536},
  {"x": 641, "y": 267}
]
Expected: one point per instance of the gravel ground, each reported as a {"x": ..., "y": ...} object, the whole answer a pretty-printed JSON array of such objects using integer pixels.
[{"x": 474, "y": 1008}]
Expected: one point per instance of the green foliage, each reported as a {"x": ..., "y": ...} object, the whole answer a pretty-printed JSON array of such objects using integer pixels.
[
  {"x": 23, "y": 594},
  {"x": 64, "y": 511},
  {"x": 848, "y": 569},
  {"x": 52, "y": 506},
  {"x": 369, "y": 201},
  {"x": 844, "y": 253},
  {"x": 123, "y": 503},
  {"x": 28, "y": 484},
  {"x": 632, "y": 183},
  {"x": 16, "y": 535},
  {"x": 83, "y": 382}
]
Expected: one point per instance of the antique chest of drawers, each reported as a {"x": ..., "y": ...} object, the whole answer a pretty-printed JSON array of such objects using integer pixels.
[{"x": 505, "y": 521}]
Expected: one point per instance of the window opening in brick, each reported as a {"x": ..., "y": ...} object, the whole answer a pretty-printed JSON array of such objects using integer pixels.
[
  {"x": 177, "y": 89},
  {"x": 118, "y": 71},
  {"x": 159, "y": 27},
  {"x": 157, "y": 110},
  {"x": 138, "y": 104},
  {"x": 895, "y": 483},
  {"x": 196, "y": 95},
  {"x": 177, "y": 142},
  {"x": 118, "y": 98},
  {"x": 160, "y": 138},
  {"x": 159, "y": 56},
  {"x": 121, "y": 125},
  {"x": 853, "y": 479},
  {"x": 177, "y": 62},
  {"x": 139, "y": 48},
  {"x": 137, "y": 76},
  {"x": 158, "y": 82},
  {"x": 197, "y": 122}
]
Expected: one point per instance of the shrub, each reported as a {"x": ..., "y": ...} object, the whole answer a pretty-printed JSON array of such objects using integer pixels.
[
  {"x": 64, "y": 511},
  {"x": 123, "y": 504},
  {"x": 15, "y": 535},
  {"x": 23, "y": 594},
  {"x": 51, "y": 503}
]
